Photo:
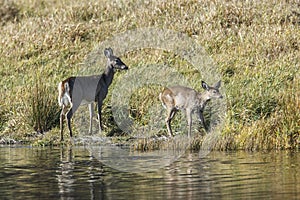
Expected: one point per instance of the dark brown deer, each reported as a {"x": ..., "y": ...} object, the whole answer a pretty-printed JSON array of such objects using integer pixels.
[
  {"x": 80, "y": 90},
  {"x": 183, "y": 98}
]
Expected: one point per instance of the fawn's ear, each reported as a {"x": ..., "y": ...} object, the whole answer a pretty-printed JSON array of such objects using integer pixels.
[
  {"x": 204, "y": 85},
  {"x": 217, "y": 85},
  {"x": 108, "y": 52}
]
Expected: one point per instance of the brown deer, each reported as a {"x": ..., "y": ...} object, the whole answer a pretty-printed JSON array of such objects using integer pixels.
[
  {"x": 80, "y": 90},
  {"x": 183, "y": 98}
]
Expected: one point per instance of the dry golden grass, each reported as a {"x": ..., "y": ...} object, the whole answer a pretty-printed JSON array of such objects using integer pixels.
[{"x": 255, "y": 44}]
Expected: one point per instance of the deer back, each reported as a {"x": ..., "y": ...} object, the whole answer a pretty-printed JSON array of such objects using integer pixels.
[
  {"x": 180, "y": 97},
  {"x": 87, "y": 88}
]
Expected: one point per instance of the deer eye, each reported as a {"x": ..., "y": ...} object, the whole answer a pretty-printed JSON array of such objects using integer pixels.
[{"x": 117, "y": 61}]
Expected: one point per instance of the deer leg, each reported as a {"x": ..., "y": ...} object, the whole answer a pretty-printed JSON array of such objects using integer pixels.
[
  {"x": 99, "y": 115},
  {"x": 171, "y": 114},
  {"x": 91, "y": 110},
  {"x": 69, "y": 115},
  {"x": 201, "y": 119},
  {"x": 189, "y": 119},
  {"x": 62, "y": 115}
]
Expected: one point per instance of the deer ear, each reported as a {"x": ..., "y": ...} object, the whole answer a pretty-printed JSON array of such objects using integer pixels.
[
  {"x": 217, "y": 84},
  {"x": 108, "y": 52},
  {"x": 204, "y": 85}
]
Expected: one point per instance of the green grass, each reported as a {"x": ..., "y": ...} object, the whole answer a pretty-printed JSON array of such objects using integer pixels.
[{"x": 255, "y": 45}]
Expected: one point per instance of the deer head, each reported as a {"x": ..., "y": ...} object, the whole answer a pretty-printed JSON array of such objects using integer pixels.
[
  {"x": 114, "y": 61},
  {"x": 211, "y": 91}
]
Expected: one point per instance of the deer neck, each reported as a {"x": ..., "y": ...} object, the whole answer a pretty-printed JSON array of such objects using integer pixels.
[
  {"x": 203, "y": 99},
  {"x": 109, "y": 74}
]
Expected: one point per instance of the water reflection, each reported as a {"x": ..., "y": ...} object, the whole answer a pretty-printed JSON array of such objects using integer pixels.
[
  {"x": 123, "y": 159},
  {"x": 65, "y": 175},
  {"x": 75, "y": 173}
]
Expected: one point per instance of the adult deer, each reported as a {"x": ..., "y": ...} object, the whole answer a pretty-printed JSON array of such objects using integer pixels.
[
  {"x": 183, "y": 98},
  {"x": 80, "y": 90}
]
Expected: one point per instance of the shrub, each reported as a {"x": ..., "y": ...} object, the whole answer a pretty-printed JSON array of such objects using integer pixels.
[{"x": 41, "y": 108}]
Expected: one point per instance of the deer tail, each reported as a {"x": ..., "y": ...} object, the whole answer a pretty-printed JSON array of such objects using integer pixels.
[{"x": 63, "y": 93}]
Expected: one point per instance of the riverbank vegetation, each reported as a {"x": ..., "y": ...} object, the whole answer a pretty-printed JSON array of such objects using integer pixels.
[{"x": 254, "y": 43}]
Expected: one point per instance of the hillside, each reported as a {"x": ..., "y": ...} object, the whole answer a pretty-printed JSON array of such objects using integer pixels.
[{"x": 255, "y": 45}]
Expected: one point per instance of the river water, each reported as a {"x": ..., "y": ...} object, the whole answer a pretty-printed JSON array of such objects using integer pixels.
[{"x": 77, "y": 173}]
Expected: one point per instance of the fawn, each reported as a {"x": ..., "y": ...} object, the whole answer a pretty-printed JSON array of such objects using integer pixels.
[{"x": 183, "y": 98}]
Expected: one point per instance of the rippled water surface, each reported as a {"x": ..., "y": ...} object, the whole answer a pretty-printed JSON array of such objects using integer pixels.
[{"x": 77, "y": 173}]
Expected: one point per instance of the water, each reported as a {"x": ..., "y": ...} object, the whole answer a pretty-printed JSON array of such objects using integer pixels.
[{"x": 74, "y": 173}]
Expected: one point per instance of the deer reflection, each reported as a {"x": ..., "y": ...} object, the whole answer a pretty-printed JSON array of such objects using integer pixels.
[
  {"x": 65, "y": 176},
  {"x": 79, "y": 177},
  {"x": 182, "y": 176}
]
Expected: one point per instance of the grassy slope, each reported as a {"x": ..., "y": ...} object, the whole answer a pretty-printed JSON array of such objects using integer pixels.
[{"x": 255, "y": 44}]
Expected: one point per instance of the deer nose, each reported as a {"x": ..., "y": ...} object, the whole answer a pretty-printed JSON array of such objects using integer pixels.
[
  {"x": 221, "y": 97},
  {"x": 124, "y": 67}
]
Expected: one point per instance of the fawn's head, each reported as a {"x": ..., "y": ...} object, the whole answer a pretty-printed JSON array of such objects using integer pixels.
[
  {"x": 114, "y": 61},
  {"x": 211, "y": 91}
]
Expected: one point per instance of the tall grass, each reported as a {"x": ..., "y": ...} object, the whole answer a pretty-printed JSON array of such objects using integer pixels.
[
  {"x": 254, "y": 43},
  {"x": 42, "y": 111}
]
